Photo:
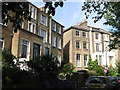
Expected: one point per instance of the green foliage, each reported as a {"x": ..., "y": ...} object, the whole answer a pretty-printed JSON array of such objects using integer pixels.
[
  {"x": 118, "y": 66},
  {"x": 91, "y": 64},
  {"x": 110, "y": 11},
  {"x": 45, "y": 63},
  {"x": 7, "y": 59},
  {"x": 66, "y": 69},
  {"x": 112, "y": 71},
  {"x": 99, "y": 70},
  {"x": 20, "y": 12},
  {"x": 52, "y": 5}
]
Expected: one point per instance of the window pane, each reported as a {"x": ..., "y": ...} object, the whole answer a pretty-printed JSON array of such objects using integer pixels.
[
  {"x": 96, "y": 35},
  {"x": 85, "y": 45},
  {"x": 59, "y": 29},
  {"x": 77, "y": 44},
  {"x": 77, "y": 33},
  {"x": 43, "y": 34},
  {"x": 1, "y": 44},
  {"x": 43, "y": 20},
  {"x": 36, "y": 50},
  {"x": 84, "y": 34},
  {"x": 85, "y": 60},
  {"x": 53, "y": 41},
  {"x": 24, "y": 51},
  {"x": 78, "y": 60},
  {"x": 24, "y": 48},
  {"x": 46, "y": 50},
  {"x": 53, "y": 26},
  {"x": 59, "y": 43}
]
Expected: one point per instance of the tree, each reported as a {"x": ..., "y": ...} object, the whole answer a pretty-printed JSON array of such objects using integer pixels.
[
  {"x": 45, "y": 63},
  {"x": 66, "y": 68},
  {"x": 52, "y": 5},
  {"x": 91, "y": 64},
  {"x": 15, "y": 12},
  {"x": 110, "y": 11},
  {"x": 20, "y": 11}
]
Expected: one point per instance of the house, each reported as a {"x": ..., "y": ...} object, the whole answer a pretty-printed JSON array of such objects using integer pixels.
[
  {"x": 81, "y": 40},
  {"x": 35, "y": 38}
]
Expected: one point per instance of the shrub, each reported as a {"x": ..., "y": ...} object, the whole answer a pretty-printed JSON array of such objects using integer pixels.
[{"x": 99, "y": 70}]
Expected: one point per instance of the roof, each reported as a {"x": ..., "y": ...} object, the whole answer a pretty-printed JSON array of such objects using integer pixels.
[
  {"x": 86, "y": 28},
  {"x": 94, "y": 29},
  {"x": 78, "y": 27},
  {"x": 57, "y": 22}
]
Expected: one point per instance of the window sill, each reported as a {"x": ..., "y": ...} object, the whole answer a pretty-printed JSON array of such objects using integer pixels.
[{"x": 78, "y": 66}]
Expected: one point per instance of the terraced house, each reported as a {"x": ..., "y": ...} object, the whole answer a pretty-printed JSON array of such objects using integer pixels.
[
  {"x": 81, "y": 40},
  {"x": 42, "y": 35}
]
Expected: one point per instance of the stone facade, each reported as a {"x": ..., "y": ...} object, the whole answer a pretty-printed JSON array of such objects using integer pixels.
[
  {"x": 35, "y": 36},
  {"x": 97, "y": 46}
]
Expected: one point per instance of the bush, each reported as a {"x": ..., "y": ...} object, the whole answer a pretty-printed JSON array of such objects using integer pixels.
[
  {"x": 66, "y": 69},
  {"x": 91, "y": 64},
  {"x": 99, "y": 70}
]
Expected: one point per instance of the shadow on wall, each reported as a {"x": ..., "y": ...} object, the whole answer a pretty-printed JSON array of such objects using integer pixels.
[{"x": 66, "y": 52}]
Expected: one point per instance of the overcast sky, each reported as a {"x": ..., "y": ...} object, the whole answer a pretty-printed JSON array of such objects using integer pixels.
[{"x": 71, "y": 14}]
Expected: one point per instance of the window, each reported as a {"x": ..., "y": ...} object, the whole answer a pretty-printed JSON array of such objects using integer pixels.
[
  {"x": 33, "y": 12},
  {"x": 1, "y": 44},
  {"x": 59, "y": 43},
  {"x": 85, "y": 60},
  {"x": 44, "y": 35},
  {"x": 53, "y": 41},
  {"x": 53, "y": 26},
  {"x": 46, "y": 50},
  {"x": 97, "y": 46},
  {"x": 36, "y": 50},
  {"x": 96, "y": 35},
  {"x": 84, "y": 34},
  {"x": 78, "y": 44},
  {"x": 110, "y": 60},
  {"x": 59, "y": 58},
  {"x": 31, "y": 27},
  {"x": 22, "y": 25},
  {"x": 100, "y": 60},
  {"x": 78, "y": 60},
  {"x": 77, "y": 33},
  {"x": 43, "y": 20},
  {"x": 25, "y": 49},
  {"x": 59, "y": 29},
  {"x": 85, "y": 45}
]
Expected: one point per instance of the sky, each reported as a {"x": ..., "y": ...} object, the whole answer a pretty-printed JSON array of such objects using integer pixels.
[{"x": 71, "y": 13}]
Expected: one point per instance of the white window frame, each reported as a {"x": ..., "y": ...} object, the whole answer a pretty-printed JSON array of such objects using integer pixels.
[
  {"x": 53, "y": 41},
  {"x": 53, "y": 25},
  {"x": 85, "y": 60},
  {"x": 40, "y": 34},
  {"x": 45, "y": 22},
  {"x": 86, "y": 44},
  {"x": 97, "y": 47},
  {"x": 30, "y": 28},
  {"x": 96, "y": 35},
  {"x": 28, "y": 48},
  {"x": 78, "y": 62},
  {"x": 59, "y": 29},
  {"x": 33, "y": 14},
  {"x": 77, "y": 33},
  {"x": 85, "y": 34},
  {"x": 59, "y": 43}
]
